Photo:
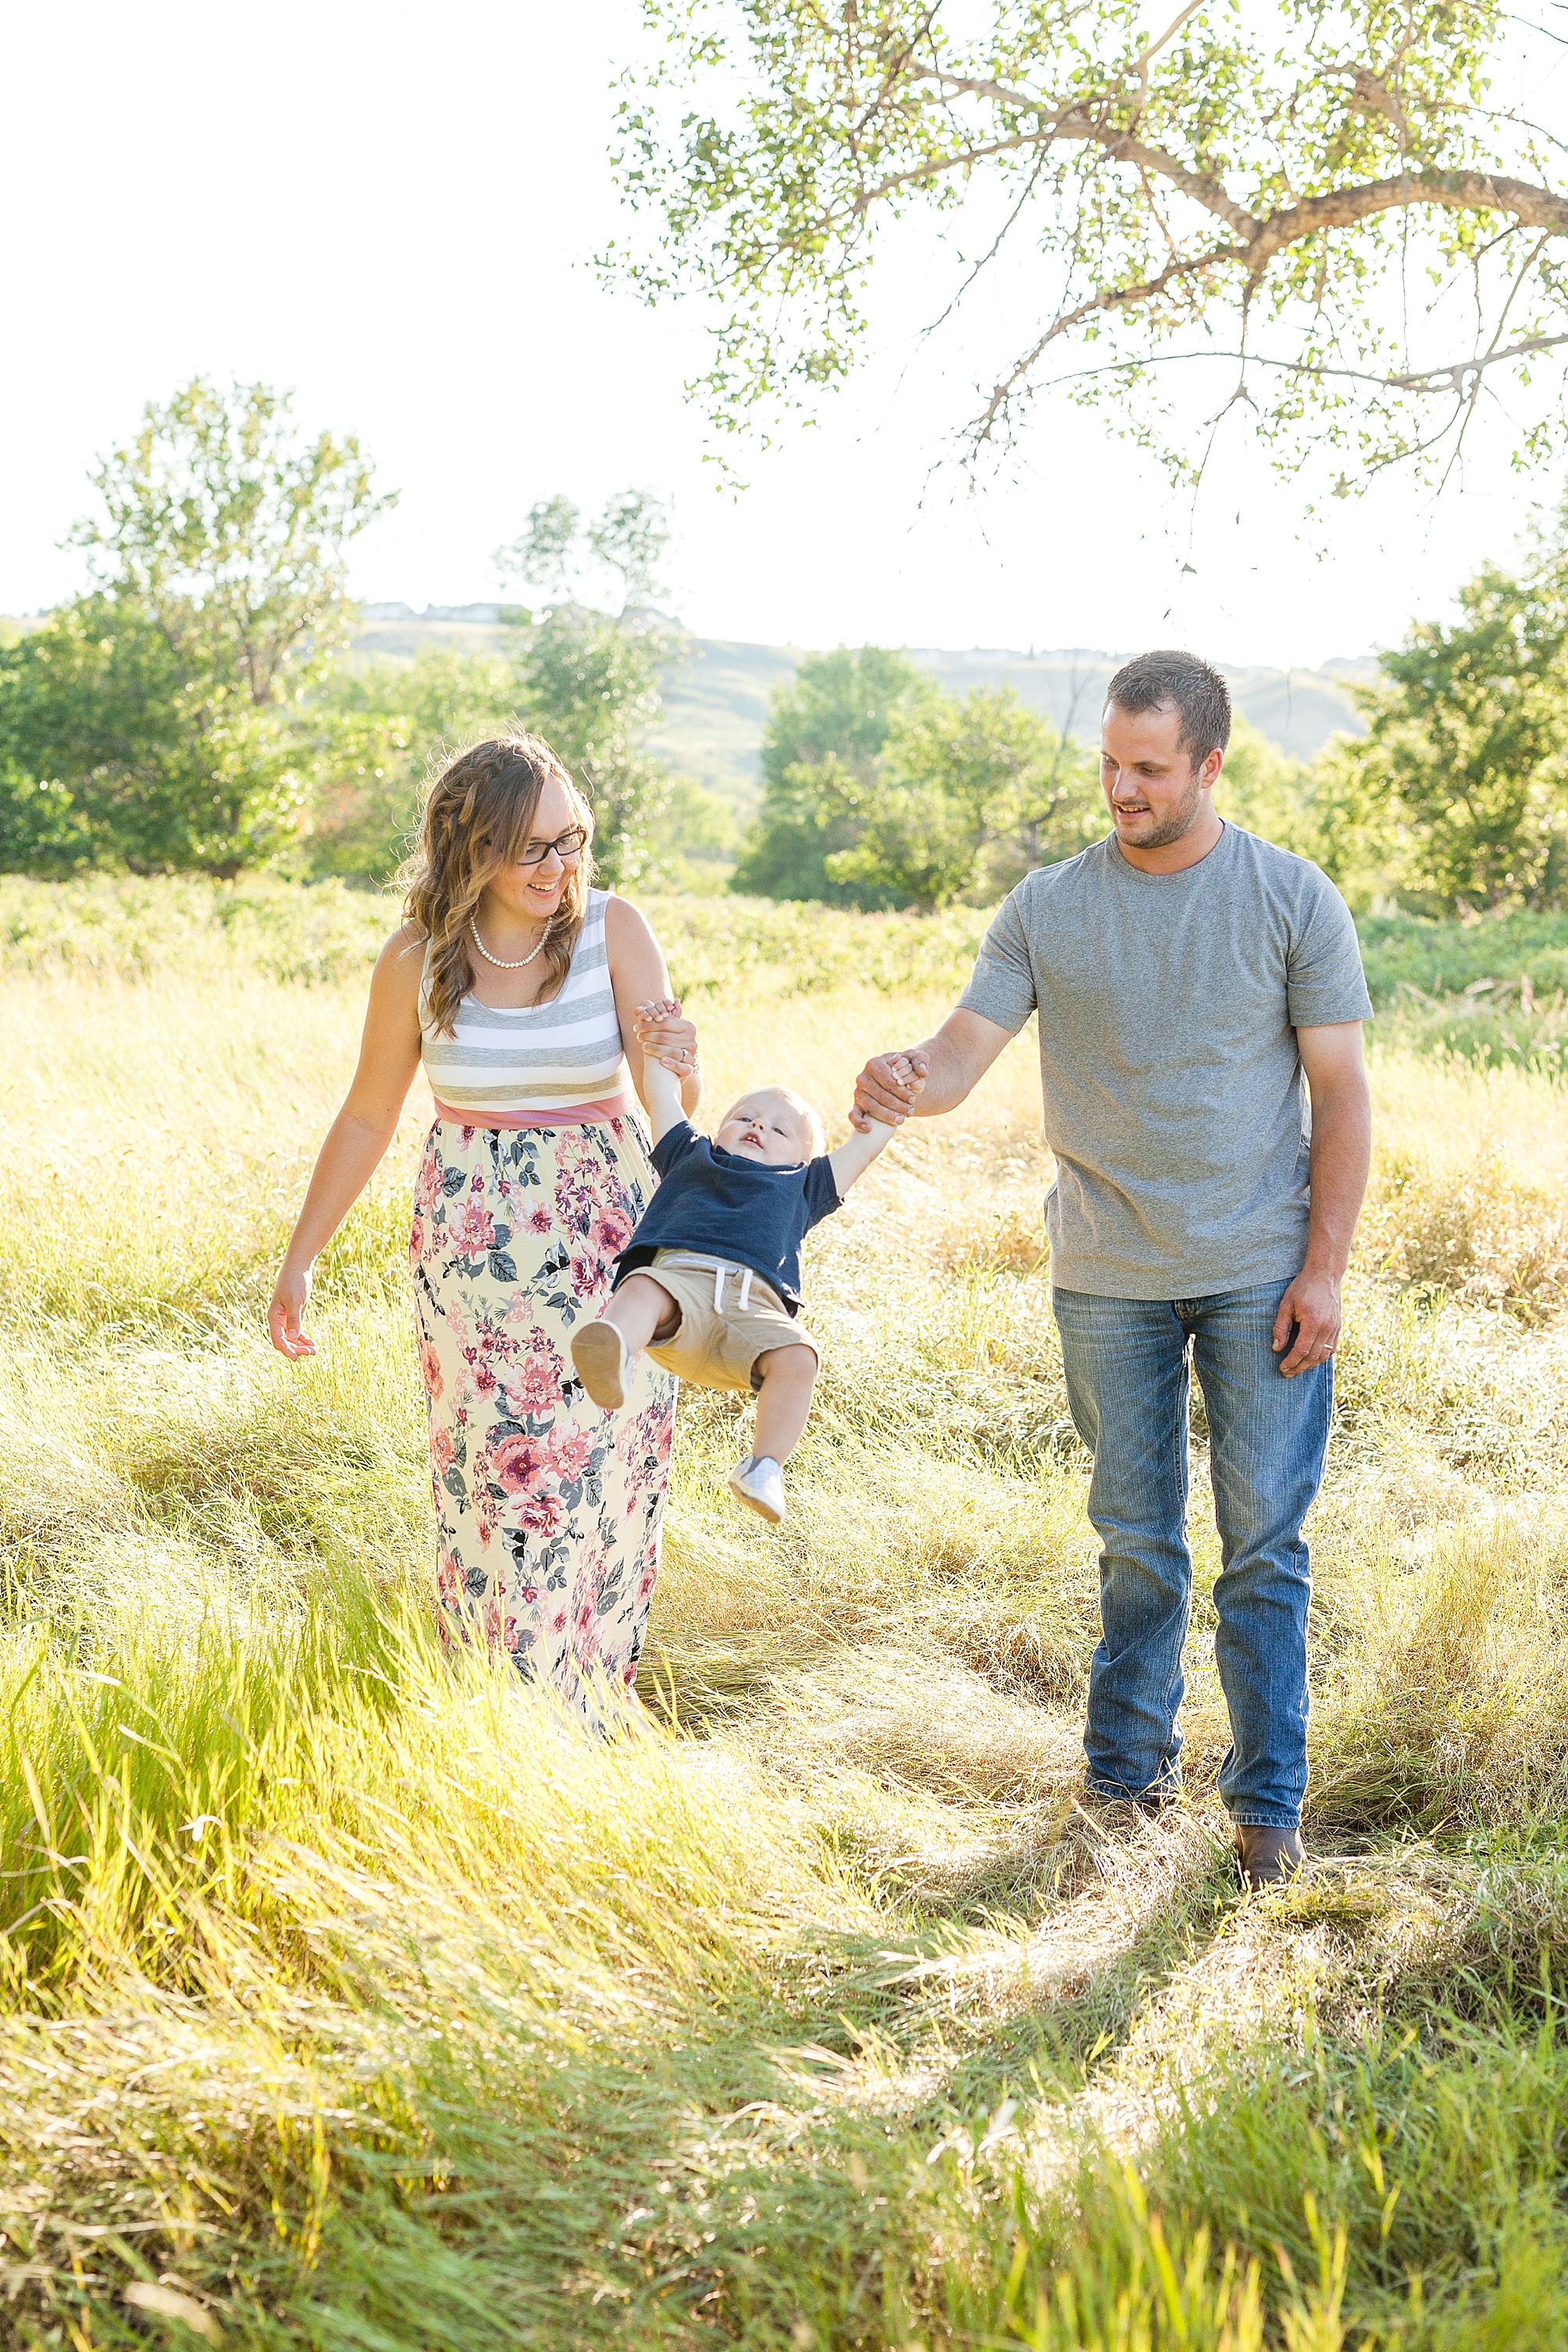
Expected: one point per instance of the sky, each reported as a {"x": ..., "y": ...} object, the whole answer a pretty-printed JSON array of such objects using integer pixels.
[{"x": 393, "y": 213}]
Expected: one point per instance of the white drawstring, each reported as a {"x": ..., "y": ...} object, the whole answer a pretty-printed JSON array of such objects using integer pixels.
[
  {"x": 720, "y": 1269},
  {"x": 719, "y": 1273}
]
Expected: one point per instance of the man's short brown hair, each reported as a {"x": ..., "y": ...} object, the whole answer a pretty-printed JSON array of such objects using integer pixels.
[{"x": 1153, "y": 681}]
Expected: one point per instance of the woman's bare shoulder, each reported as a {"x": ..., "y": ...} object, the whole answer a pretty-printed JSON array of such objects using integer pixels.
[
  {"x": 624, "y": 924},
  {"x": 400, "y": 966}
]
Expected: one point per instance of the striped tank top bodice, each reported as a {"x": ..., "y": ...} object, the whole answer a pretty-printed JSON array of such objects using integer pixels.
[{"x": 534, "y": 1058}]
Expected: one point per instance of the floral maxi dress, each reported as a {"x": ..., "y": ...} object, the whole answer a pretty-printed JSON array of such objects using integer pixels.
[{"x": 549, "y": 1510}]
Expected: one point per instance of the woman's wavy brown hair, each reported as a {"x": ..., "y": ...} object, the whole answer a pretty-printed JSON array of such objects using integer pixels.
[{"x": 477, "y": 816}]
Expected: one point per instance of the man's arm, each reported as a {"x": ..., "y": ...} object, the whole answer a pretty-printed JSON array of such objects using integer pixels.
[
  {"x": 1341, "y": 1156},
  {"x": 951, "y": 1064}
]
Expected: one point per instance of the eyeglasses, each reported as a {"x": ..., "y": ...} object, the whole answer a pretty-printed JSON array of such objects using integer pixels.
[{"x": 568, "y": 848}]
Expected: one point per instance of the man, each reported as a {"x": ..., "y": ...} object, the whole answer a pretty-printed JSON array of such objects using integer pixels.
[{"x": 1200, "y": 996}]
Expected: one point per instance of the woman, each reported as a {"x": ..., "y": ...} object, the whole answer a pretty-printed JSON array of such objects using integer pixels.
[{"x": 518, "y": 985}]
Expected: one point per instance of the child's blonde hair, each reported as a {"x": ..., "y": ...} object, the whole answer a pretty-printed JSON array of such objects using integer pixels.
[{"x": 798, "y": 1103}]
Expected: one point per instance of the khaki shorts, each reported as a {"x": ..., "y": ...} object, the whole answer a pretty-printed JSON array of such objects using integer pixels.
[{"x": 717, "y": 1347}]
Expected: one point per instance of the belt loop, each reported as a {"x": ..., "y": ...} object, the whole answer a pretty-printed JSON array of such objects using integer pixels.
[{"x": 718, "y": 1290}]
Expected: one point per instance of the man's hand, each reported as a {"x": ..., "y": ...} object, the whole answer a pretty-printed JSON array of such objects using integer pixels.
[
  {"x": 1311, "y": 1308},
  {"x": 887, "y": 1088},
  {"x": 906, "y": 1072}
]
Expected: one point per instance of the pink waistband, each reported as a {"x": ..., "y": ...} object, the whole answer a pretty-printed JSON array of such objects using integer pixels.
[{"x": 577, "y": 1114}]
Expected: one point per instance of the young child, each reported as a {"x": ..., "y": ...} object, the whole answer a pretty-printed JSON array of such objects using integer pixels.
[{"x": 709, "y": 1283}]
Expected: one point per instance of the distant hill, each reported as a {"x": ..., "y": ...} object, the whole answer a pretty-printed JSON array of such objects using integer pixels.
[{"x": 716, "y": 703}]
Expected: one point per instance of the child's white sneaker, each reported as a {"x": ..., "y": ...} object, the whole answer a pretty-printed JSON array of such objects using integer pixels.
[
  {"x": 758, "y": 1480},
  {"x": 599, "y": 1352}
]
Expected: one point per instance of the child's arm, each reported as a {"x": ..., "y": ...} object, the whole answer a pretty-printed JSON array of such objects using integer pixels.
[
  {"x": 854, "y": 1155},
  {"x": 661, "y": 1083}
]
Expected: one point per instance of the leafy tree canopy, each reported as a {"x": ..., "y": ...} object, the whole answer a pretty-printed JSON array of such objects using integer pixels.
[
  {"x": 591, "y": 681},
  {"x": 232, "y": 532},
  {"x": 375, "y": 730},
  {"x": 825, "y": 733},
  {"x": 1460, "y": 785},
  {"x": 151, "y": 723},
  {"x": 970, "y": 795},
  {"x": 628, "y": 540},
  {"x": 114, "y": 753},
  {"x": 879, "y": 790},
  {"x": 1325, "y": 207},
  {"x": 592, "y": 688}
]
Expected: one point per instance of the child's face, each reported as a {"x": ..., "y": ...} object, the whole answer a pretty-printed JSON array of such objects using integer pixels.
[{"x": 765, "y": 1126}]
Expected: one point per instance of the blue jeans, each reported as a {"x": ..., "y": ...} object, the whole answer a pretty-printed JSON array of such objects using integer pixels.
[{"x": 1127, "y": 1363}]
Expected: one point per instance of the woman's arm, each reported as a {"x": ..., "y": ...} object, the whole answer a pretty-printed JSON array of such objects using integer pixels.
[
  {"x": 639, "y": 976},
  {"x": 358, "y": 1138}
]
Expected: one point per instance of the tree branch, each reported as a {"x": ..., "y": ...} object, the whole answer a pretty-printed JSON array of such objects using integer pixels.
[
  {"x": 1531, "y": 206},
  {"x": 1259, "y": 239},
  {"x": 1109, "y": 298},
  {"x": 1453, "y": 372},
  {"x": 1459, "y": 191},
  {"x": 1076, "y": 122}
]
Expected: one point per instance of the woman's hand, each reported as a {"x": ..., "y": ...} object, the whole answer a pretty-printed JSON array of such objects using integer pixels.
[
  {"x": 663, "y": 1031},
  {"x": 286, "y": 1314}
]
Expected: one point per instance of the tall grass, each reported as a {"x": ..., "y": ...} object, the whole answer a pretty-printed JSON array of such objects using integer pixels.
[{"x": 347, "y": 1998}]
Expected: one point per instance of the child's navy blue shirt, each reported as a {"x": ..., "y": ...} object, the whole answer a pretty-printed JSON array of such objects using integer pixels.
[{"x": 723, "y": 1205}]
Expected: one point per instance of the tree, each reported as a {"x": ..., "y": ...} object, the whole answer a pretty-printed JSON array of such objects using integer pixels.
[
  {"x": 376, "y": 729},
  {"x": 1268, "y": 792},
  {"x": 135, "y": 761},
  {"x": 629, "y": 540},
  {"x": 968, "y": 797},
  {"x": 542, "y": 555},
  {"x": 823, "y": 735},
  {"x": 592, "y": 688},
  {"x": 159, "y": 708},
  {"x": 589, "y": 681},
  {"x": 1288, "y": 201},
  {"x": 232, "y": 533},
  {"x": 1463, "y": 768},
  {"x": 692, "y": 845}
]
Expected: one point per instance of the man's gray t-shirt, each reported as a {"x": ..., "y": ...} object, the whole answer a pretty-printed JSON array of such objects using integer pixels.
[{"x": 1175, "y": 1099}]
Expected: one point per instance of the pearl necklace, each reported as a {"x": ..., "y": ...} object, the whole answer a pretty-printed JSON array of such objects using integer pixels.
[{"x": 505, "y": 963}]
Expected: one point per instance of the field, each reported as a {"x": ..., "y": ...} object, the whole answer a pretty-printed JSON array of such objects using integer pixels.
[{"x": 347, "y": 2000}]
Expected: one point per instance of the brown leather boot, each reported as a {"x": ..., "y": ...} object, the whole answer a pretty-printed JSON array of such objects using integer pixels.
[{"x": 1268, "y": 1857}]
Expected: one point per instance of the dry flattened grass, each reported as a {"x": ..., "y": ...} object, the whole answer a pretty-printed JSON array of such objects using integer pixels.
[
  {"x": 1481, "y": 1233},
  {"x": 914, "y": 1719},
  {"x": 992, "y": 1566},
  {"x": 1010, "y": 1243},
  {"x": 1452, "y": 1703}
]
